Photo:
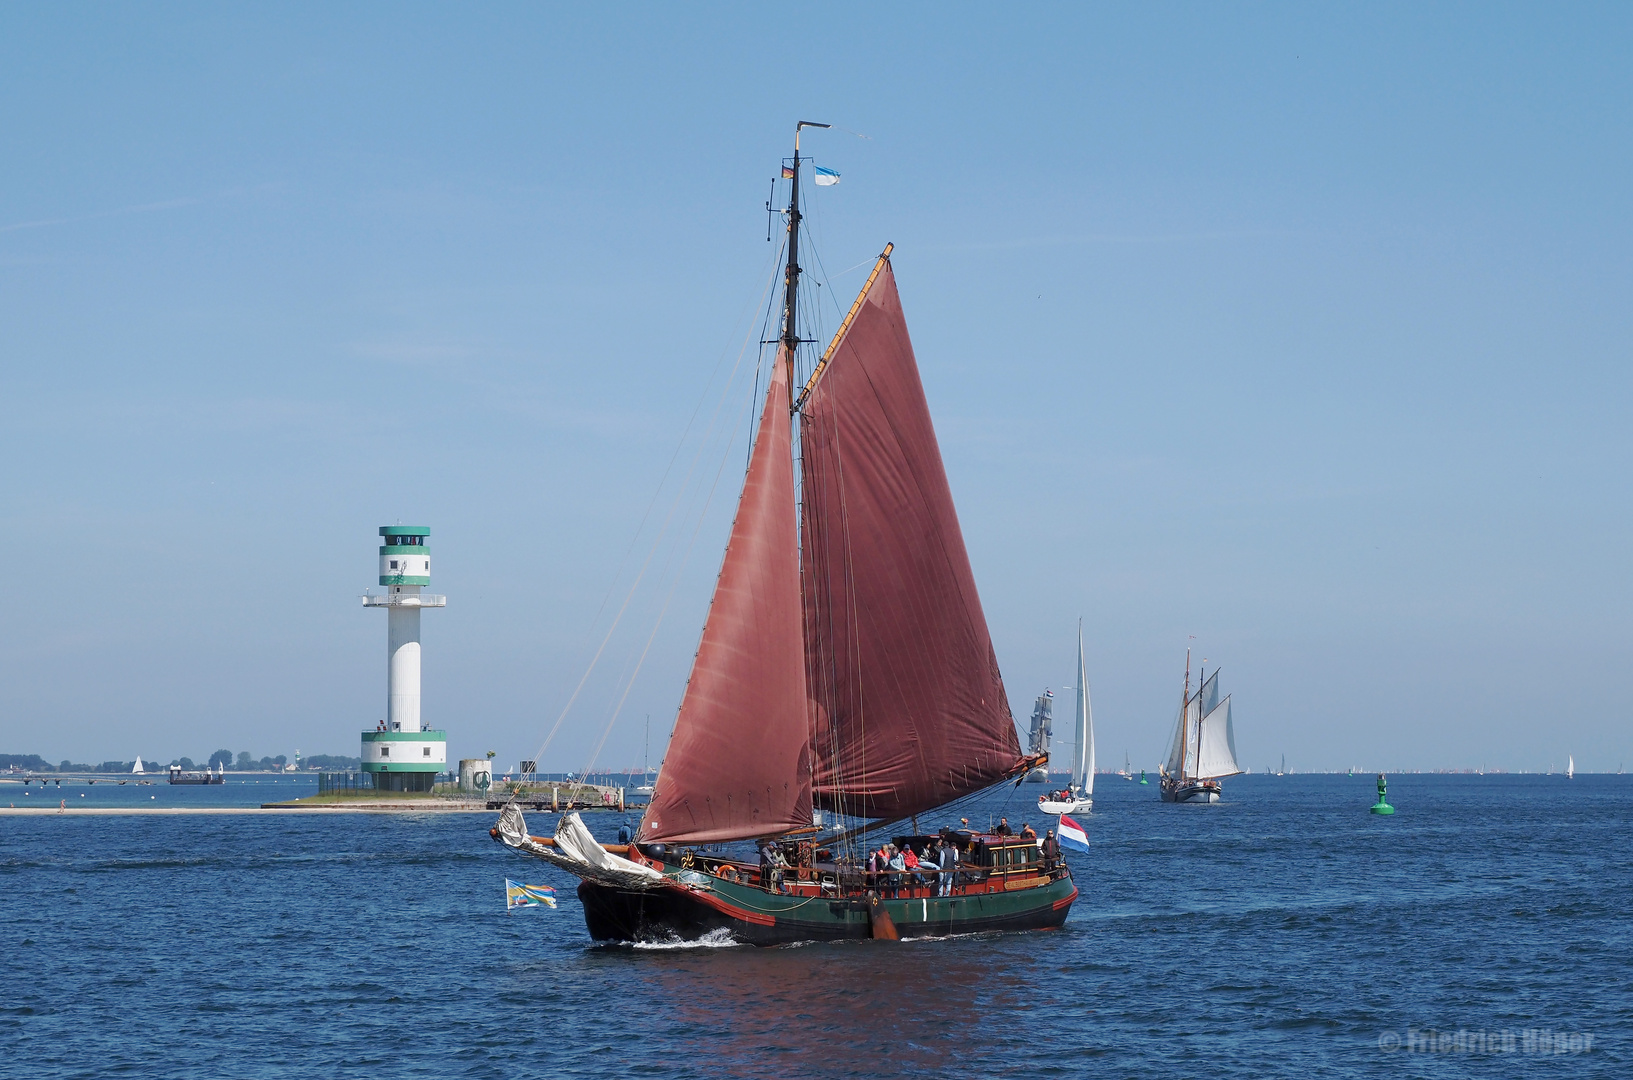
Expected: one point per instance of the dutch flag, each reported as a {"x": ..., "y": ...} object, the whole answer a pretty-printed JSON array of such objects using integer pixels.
[{"x": 1072, "y": 835}]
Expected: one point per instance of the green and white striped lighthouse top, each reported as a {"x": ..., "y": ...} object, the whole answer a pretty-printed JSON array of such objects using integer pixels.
[{"x": 405, "y": 559}]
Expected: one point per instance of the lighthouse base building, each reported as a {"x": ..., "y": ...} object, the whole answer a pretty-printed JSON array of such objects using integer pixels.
[{"x": 401, "y": 753}]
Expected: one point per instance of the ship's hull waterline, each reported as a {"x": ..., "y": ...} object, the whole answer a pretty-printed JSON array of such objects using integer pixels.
[
  {"x": 1191, "y": 793},
  {"x": 755, "y": 917},
  {"x": 1057, "y": 807}
]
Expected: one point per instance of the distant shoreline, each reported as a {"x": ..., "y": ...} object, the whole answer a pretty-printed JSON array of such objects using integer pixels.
[{"x": 171, "y": 811}]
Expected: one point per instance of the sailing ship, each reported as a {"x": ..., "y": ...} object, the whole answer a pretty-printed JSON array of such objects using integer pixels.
[
  {"x": 1037, "y": 739},
  {"x": 1570, "y": 767},
  {"x": 1204, "y": 745},
  {"x": 845, "y": 668},
  {"x": 645, "y": 787},
  {"x": 1078, "y": 797}
]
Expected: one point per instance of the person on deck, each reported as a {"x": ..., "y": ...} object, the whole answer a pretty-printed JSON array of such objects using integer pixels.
[
  {"x": 949, "y": 867},
  {"x": 778, "y": 862},
  {"x": 898, "y": 866},
  {"x": 766, "y": 851},
  {"x": 1028, "y": 832},
  {"x": 910, "y": 862},
  {"x": 1051, "y": 850},
  {"x": 1003, "y": 828}
]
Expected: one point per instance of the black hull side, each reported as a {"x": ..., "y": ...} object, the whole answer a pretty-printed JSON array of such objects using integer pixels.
[{"x": 670, "y": 915}]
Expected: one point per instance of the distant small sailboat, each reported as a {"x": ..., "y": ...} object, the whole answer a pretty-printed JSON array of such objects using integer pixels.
[
  {"x": 646, "y": 761},
  {"x": 138, "y": 767},
  {"x": 1079, "y": 797},
  {"x": 1283, "y": 770},
  {"x": 1125, "y": 772},
  {"x": 1204, "y": 748},
  {"x": 1570, "y": 768}
]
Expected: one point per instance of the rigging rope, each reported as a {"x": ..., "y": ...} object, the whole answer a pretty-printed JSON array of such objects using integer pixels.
[
  {"x": 702, "y": 516},
  {"x": 657, "y": 541}
]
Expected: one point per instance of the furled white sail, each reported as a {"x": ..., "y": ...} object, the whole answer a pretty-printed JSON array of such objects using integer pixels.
[{"x": 1216, "y": 744}]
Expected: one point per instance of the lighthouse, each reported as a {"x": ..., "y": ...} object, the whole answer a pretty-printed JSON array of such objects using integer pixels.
[{"x": 402, "y": 753}]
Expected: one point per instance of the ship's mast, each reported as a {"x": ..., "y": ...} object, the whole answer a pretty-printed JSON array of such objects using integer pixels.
[
  {"x": 790, "y": 314},
  {"x": 1184, "y": 718}
]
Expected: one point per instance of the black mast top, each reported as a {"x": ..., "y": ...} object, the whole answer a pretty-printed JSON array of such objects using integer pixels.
[{"x": 790, "y": 328}]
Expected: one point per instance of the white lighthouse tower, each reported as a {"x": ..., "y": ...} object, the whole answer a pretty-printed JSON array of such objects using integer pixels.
[{"x": 402, "y": 753}]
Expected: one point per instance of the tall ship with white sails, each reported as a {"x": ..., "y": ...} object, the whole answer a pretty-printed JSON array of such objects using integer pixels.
[
  {"x": 845, "y": 667},
  {"x": 1203, "y": 751},
  {"x": 1078, "y": 797}
]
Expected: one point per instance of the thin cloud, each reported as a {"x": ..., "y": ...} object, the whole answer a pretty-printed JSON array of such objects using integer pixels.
[
  {"x": 144, "y": 208},
  {"x": 1110, "y": 238}
]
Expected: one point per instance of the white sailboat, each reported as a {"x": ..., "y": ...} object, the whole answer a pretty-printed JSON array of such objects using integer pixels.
[
  {"x": 1204, "y": 746},
  {"x": 1079, "y": 797},
  {"x": 1570, "y": 767},
  {"x": 646, "y": 761}
]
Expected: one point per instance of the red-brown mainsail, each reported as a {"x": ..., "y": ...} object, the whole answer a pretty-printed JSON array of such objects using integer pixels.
[
  {"x": 909, "y": 710},
  {"x": 738, "y": 763}
]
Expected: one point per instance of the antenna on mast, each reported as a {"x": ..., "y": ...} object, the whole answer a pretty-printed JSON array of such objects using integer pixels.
[{"x": 790, "y": 327}]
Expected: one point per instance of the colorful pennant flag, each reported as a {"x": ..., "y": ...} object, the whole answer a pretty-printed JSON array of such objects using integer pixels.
[
  {"x": 1072, "y": 834},
  {"x": 788, "y": 172},
  {"x": 519, "y": 895},
  {"x": 826, "y": 177}
]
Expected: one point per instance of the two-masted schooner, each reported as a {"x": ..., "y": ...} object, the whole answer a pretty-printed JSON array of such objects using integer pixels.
[
  {"x": 845, "y": 666},
  {"x": 1203, "y": 751}
]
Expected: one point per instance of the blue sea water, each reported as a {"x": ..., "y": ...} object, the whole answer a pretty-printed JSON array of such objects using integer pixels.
[{"x": 1285, "y": 932}]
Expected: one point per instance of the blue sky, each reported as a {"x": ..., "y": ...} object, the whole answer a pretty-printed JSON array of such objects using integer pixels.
[{"x": 1300, "y": 330}]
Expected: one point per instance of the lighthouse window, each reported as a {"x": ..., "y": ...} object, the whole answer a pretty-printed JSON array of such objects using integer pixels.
[
  {"x": 427, "y": 751},
  {"x": 394, "y": 564},
  {"x": 385, "y": 751}
]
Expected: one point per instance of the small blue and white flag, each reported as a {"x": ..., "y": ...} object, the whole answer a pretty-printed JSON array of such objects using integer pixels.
[
  {"x": 826, "y": 177},
  {"x": 1072, "y": 835},
  {"x": 519, "y": 895}
]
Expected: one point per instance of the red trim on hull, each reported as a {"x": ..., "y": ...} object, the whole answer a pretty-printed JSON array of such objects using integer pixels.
[{"x": 730, "y": 909}]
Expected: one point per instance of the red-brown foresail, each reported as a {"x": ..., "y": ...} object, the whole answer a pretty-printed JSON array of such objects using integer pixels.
[{"x": 738, "y": 763}]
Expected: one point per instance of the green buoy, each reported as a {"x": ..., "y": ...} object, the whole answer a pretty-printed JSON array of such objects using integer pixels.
[
  {"x": 1142, "y": 777},
  {"x": 1382, "y": 805}
]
